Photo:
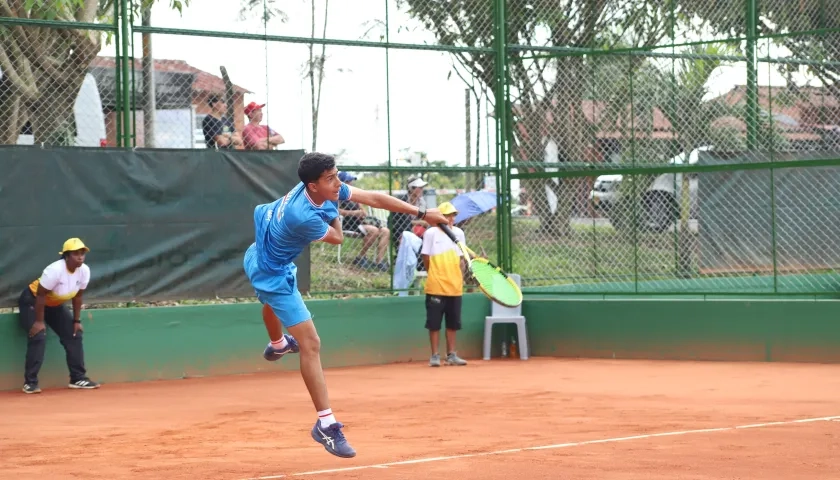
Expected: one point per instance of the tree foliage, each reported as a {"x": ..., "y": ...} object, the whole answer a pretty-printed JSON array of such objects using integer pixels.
[
  {"x": 43, "y": 68},
  {"x": 546, "y": 90},
  {"x": 821, "y": 50}
]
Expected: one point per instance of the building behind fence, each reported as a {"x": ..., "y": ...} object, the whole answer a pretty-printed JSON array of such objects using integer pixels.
[{"x": 662, "y": 147}]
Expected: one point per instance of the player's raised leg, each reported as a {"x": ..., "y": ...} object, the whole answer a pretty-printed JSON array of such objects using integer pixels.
[
  {"x": 280, "y": 343},
  {"x": 327, "y": 430},
  {"x": 287, "y": 301}
]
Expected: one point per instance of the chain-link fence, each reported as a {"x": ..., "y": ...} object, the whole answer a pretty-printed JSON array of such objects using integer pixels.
[
  {"x": 379, "y": 84},
  {"x": 706, "y": 90},
  {"x": 47, "y": 93},
  {"x": 382, "y": 250},
  {"x": 631, "y": 142}
]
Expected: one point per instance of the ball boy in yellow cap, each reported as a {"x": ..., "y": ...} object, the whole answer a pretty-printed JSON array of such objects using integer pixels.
[
  {"x": 444, "y": 285},
  {"x": 42, "y": 303}
]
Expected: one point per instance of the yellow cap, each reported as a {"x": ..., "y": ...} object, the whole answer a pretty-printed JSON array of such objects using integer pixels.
[
  {"x": 447, "y": 208},
  {"x": 73, "y": 244}
]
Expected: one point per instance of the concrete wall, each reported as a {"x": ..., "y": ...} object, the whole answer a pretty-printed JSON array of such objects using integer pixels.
[
  {"x": 135, "y": 344},
  {"x": 736, "y": 329}
]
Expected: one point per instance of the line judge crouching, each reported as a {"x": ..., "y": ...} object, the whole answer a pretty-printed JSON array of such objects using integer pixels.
[{"x": 43, "y": 303}]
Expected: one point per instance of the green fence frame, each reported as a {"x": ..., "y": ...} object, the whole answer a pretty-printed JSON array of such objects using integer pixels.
[{"x": 125, "y": 25}]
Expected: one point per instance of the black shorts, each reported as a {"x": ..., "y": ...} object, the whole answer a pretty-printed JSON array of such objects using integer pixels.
[{"x": 438, "y": 306}]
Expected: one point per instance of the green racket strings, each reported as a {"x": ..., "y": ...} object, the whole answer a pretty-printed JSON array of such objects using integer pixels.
[{"x": 495, "y": 283}]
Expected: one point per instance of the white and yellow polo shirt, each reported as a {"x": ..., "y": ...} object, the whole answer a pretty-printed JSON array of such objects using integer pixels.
[
  {"x": 445, "y": 276},
  {"x": 62, "y": 284}
]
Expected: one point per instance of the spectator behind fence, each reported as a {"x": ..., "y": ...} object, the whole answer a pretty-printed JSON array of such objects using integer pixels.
[
  {"x": 400, "y": 222},
  {"x": 42, "y": 303},
  {"x": 444, "y": 285},
  {"x": 353, "y": 218},
  {"x": 219, "y": 130},
  {"x": 256, "y": 136}
]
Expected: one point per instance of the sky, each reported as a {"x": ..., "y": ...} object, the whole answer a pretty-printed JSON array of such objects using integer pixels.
[{"x": 426, "y": 103}]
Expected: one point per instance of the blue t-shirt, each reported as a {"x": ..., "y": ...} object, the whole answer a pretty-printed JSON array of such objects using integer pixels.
[{"x": 287, "y": 225}]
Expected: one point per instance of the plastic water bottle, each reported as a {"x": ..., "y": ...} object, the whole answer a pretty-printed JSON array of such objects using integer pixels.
[
  {"x": 513, "y": 347},
  {"x": 504, "y": 349}
]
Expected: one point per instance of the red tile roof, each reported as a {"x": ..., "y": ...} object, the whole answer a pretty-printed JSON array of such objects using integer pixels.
[
  {"x": 204, "y": 81},
  {"x": 802, "y": 105}
]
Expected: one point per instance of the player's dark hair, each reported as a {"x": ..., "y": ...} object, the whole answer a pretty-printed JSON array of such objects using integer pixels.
[{"x": 313, "y": 165}]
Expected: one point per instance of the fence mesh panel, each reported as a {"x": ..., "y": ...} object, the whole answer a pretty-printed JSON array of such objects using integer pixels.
[
  {"x": 370, "y": 258},
  {"x": 704, "y": 88},
  {"x": 47, "y": 93},
  {"x": 596, "y": 88},
  {"x": 746, "y": 231}
]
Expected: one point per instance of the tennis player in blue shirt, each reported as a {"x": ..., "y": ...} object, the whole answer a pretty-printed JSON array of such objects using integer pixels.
[{"x": 308, "y": 213}]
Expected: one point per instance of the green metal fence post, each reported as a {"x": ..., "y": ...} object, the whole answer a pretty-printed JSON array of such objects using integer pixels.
[
  {"x": 634, "y": 180},
  {"x": 133, "y": 104},
  {"x": 117, "y": 75},
  {"x": 125, "y": 101},
  {"x": 388, "y": 129},
  {"x": 505, "y": 256}
]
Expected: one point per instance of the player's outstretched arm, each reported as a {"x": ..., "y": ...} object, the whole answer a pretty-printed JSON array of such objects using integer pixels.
[
  {"x": 393, "y": 204},
  {"x": 335, "y": 235}
]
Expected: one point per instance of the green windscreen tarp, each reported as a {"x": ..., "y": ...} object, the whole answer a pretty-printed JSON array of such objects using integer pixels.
[
  {"x": 161, "y": 224},
  {"x": 750, "y": 221}
]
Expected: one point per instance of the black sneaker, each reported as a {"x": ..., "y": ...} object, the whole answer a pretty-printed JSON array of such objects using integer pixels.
[
  {"x": 361, "y": 262},
  {"x": 85, "y": 383},
  {"x": 31, "y": 388}
]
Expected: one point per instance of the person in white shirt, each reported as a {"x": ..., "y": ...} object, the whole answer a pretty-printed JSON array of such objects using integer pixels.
[{"x": 42, "y": 303}]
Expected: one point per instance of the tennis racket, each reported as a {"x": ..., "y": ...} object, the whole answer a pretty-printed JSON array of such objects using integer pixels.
[{"x": 492, "y": 281}]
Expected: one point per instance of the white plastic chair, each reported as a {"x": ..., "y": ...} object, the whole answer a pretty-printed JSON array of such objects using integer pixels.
[{"x": 501, "y": 314}]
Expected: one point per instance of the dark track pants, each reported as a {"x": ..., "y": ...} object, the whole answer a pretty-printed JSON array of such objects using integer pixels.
[{"x": 60, "y": 320}]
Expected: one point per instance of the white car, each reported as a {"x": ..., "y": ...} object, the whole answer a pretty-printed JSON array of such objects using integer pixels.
[
  {"x": 604, "y": 191},
  {"x": 660, "y": 207}
]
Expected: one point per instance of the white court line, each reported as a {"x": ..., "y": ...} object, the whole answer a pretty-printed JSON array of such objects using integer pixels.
[{"x": 552, "y": 447}]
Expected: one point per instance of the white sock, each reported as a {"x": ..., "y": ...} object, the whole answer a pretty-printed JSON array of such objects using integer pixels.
[
  {"x": 326, "y": 417},
  {"x": 279, "y": 344}
]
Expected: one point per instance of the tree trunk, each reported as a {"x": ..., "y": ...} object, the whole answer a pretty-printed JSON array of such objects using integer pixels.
[
  {"x": 686, "y": 237},
  {"x": 568, "y": 128},
  {"x": 53, "y": 115},
  {"x": 229, "y": 94},
  {"x": 468, "y": 144},
  {"x": 149, "y": 90},
  {"x": 59, "y": 75},
  {"x": 10, "y": 115}
]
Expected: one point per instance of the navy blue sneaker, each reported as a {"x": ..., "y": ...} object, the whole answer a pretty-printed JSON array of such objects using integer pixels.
[
  {"x": 31, "y": 388},
  {"x": 333, "y": 440},
  {"x": 272, "y": 354}
]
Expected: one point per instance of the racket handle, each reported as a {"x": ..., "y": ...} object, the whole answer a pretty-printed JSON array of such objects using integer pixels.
[
  {"x": 455, "y": 240},
  {"x": 448, "y": 231}
]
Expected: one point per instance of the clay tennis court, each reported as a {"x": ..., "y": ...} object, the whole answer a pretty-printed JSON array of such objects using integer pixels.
[{"x": 535, "y": 419}]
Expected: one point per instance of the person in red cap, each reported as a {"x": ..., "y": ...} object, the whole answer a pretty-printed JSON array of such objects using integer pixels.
[{"x": 256, "y": 136}]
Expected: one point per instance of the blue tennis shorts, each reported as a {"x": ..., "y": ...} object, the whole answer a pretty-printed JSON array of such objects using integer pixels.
[{"x": 279, "y": 291}]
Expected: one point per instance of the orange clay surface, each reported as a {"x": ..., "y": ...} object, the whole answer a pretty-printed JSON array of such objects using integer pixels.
[{"x": 468, "y": 423}]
